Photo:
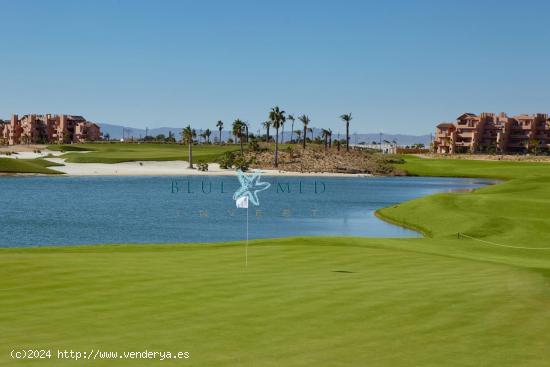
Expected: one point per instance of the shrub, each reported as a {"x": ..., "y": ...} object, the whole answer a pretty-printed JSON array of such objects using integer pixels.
[
  {"x": 232, "y": 159},
  {"x": 241, "y": 163},
  {"x": 384, "y": 166},
  {"x": 226, "y": 160},
  {"x": 253, "y": 146},
  {"x": 202, "y": 166},
  {"x": 394, "y": 160}
]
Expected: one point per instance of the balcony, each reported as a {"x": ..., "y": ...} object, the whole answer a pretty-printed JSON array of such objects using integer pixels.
[
  {"x": 463, "y": 144},
  {"x": 468, "y": 134}
]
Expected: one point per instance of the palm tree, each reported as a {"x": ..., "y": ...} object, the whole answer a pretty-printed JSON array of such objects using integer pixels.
[
  {"x": 267, "y": 125},
  {"x": 305, "y": 120},
  {"x": 207, "y": 134},
  {"x": 277, "y": 118},
  {"x": 291, "y": 117},
  {"x": 219, "y": 125},
  {"x": 325, "y": 134},
  {"x": 298, "y": 134},
  {"x": 245, "y": 126},
  {"x": 238, "y": 126},
  {"x": 346, "y": 118},
  {"x": 187, "y": 136},
  {"x": 329, "y": 138}
]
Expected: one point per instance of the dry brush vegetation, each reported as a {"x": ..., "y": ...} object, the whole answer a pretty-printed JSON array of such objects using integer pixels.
[{"x": 315, "y": 159}]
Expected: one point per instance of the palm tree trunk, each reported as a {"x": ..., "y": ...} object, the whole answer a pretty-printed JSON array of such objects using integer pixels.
[
  {"x": 305, "y": 136},
  {"x": 267, "y": 138},
  {"x": 292, "y": 131},
  {"x": 347, "y": 136},
  {"x": 283, "y": 134},
  {"x": 277, "y": 148},
  {"x": 220, "y": 136},
  {"x": 191, "y": 154},
  {"x": 241, "y": 140},
  {"x": 326, "y": 142}
]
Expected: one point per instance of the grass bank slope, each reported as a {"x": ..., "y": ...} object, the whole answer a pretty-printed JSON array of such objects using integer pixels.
[
  {"x": 129, "y": 152},
  {"x": 515, "y": 212},
  {"x": 10, "y": 165}
]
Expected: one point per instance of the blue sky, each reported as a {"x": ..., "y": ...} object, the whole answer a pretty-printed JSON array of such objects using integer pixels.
[{"x": 398, "y": 66}]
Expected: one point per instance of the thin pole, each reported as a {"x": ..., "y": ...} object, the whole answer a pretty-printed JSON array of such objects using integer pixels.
[{"x": 246, "y": 246}]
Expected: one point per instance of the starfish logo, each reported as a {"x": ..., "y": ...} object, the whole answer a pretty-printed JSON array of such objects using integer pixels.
[{"x": 250, "y": 186}]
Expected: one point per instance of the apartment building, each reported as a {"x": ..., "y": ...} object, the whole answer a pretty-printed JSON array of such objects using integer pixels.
[
  {"x": 33, "y": 129},
  {"x": 493, "y": 133}
]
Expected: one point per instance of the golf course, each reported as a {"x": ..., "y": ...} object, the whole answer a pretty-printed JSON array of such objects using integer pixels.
[
  {"x": 474, "y": 291},
  {"x": 112, "y": 153},
  {"x": 128, "y": 152}
]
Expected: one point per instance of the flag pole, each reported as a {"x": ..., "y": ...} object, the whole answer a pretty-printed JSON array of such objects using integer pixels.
[{"x": 246, "y": 246}]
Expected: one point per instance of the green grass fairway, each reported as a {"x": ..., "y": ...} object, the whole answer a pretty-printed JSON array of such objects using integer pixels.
[
  {"x": 127, "y": 152},
  {"x": 302, "y": 302},
  {"x": 9, "y": 165},
  {"x": 433, "y": 301},
  {"x": 471, "y": 168}
]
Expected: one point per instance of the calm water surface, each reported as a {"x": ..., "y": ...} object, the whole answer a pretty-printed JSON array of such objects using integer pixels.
[{"x": 90, "y": 210}]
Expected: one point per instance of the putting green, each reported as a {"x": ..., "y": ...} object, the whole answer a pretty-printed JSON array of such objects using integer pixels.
[{"x": 434, "y": 301}]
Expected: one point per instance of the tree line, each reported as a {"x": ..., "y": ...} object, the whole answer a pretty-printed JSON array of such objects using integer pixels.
[{"x": 276, "y": 120}]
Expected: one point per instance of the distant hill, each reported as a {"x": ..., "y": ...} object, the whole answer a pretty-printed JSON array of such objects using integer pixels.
[
  {"x": 116, "y": 131},
  {"x": 400, "y": 139}
]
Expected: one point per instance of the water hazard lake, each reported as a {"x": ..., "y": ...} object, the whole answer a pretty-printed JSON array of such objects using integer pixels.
[{"x": 37, "y": 211}]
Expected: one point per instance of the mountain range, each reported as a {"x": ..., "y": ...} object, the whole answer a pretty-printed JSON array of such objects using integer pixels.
[{"x": 117, "y": 131}]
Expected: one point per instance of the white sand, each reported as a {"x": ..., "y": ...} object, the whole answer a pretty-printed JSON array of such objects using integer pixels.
[
  {"x": 31, "y": 155},
  {"x": 161, "y": 168}
]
